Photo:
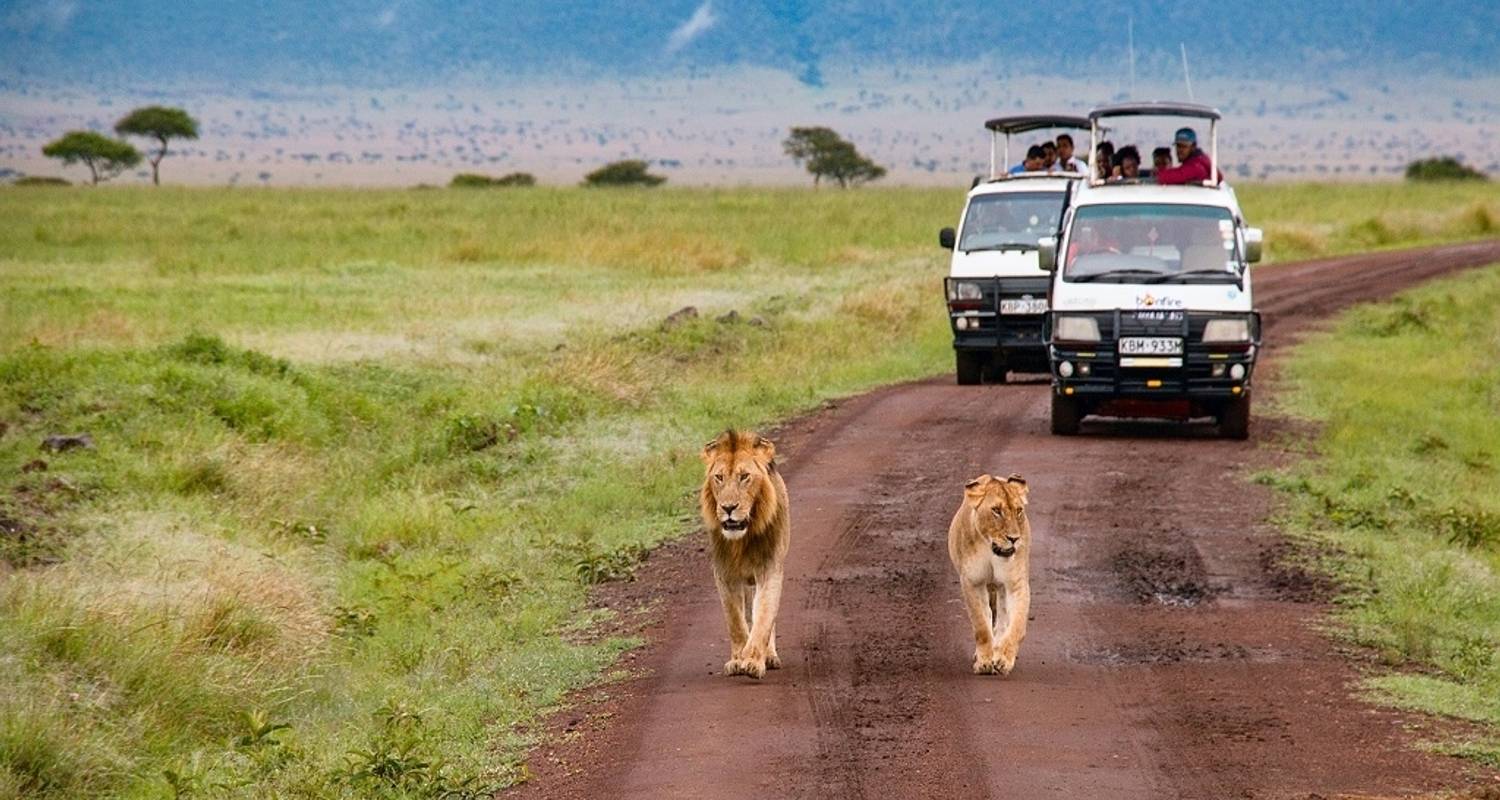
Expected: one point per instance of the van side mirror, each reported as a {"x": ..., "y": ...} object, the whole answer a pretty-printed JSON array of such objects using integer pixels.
[
  {"x": 1253, "y": 239},
  {"x": 945, "y": 238},
  {"x": 1046, "y": 253}
]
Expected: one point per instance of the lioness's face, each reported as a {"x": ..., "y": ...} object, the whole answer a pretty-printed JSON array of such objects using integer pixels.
[
  {"x": 738, "y": 466},
  {"x": 1000, "y": 511}
]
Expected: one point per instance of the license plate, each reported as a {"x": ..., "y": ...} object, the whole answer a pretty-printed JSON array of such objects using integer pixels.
[
  {"x": 1151, "y": 346},
  {"x": 1023, "y": 306}
]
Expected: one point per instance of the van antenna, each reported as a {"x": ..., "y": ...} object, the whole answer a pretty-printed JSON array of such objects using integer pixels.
[
  {"x": 1130, "y": 46},
  {"x": 1185, "y": 75}
]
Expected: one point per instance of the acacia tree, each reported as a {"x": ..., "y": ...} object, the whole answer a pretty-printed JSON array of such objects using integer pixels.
[
  {"x": 105, "y": 157},
  {"x": 160, "y": 123},
  {"x": 622, "y": 173},
  {"x": 829, "y": 155}
]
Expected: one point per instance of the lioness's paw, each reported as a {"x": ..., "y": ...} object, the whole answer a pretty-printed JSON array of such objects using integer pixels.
[
  {"x": 773, "y": 661},
  {"x": 734, "y": 666},
  {"x": 754, "y": 668},
  {"x": 984, "y": 665},
  {"x": 1005, "y": 659}
]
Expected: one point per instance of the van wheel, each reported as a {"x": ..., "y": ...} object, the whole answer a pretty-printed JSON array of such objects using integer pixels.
[
  {"x": 994, "y": 372},
  {"x": 1234, "y": 420},
  {"x": 1067, "y": 413},
  {"x": 970, "y": 367}
]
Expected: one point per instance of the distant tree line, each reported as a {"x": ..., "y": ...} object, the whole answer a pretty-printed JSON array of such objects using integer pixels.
[{"x": 106, "y": 157}]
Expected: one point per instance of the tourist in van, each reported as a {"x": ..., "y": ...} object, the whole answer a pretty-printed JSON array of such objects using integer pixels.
[
  {"x": 1104, "y": 160},
  {"x": 1129, "y": 163},
  {"x": 1049, "y": 156},
  {"x": 1193, "y": 165},
  {"x": 1066, "y": 162},
  {"x": 1161, "y": 158},
  {"x": 1035, "y": 160}
]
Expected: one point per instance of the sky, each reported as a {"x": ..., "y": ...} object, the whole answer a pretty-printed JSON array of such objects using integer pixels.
[{"x": 395, "y": 91}]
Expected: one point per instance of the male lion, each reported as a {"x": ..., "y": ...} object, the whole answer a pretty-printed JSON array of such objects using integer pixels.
[
  {"x": 744, "y": 507},
  {"x": 990, "y": 544}
]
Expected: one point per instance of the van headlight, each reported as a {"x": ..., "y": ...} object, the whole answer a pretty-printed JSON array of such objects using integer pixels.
[
  {"x": 965, "y": 291},
  {"x": 1227, "y": 331},
  {"x": 1075, "y": 329}
]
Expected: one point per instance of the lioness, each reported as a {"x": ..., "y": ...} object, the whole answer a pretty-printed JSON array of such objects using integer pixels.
[
  {"x": 744, "y": 507},
  {"x": 989, "y": 542}
]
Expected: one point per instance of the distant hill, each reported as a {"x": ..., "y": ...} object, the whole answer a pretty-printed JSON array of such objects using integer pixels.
[{"x": 415, "y": 42}]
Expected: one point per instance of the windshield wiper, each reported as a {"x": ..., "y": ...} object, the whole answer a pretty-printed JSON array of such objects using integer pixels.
[
  {"x": 1217, "y": 272},
  {"x": 1022, "y": 246},
  {"x": 1093, "y": 276}
]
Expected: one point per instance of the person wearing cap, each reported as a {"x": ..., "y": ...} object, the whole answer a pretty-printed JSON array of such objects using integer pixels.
[{"x": 1193, "y": 165}]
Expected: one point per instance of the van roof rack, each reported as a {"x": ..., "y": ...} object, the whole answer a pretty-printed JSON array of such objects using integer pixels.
[
  {"x": 1023, "y": 123},
  {"x": 1156, "y": 108}
]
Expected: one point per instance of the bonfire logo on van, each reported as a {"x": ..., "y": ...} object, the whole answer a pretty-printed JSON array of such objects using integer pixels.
[{"x": 1149, "y": 300}]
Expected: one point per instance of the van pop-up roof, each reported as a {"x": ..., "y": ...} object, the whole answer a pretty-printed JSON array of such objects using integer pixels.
[
  {"x": 1158, "y": 109},
  {"x": 1023, "y": 124}
]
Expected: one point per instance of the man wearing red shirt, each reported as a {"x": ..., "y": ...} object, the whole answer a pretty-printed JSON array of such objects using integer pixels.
[{"x": 1193, "y": 165}]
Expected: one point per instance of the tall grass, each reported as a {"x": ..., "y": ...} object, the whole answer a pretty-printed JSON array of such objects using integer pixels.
[
  {"x": 1405, "y": 486},
  {"x": 359, "y": 455},
  {"x": 1310, "y": 220}
]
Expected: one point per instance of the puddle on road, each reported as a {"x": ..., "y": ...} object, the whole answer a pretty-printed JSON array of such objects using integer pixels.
[{"x": 1160, "y": 576}]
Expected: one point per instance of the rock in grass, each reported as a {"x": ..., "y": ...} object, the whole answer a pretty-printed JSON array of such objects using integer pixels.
[
  {"x": 730, "y": 318},
  {"x": 679, "y": 316},
  {"x": 63, "y": 442}
]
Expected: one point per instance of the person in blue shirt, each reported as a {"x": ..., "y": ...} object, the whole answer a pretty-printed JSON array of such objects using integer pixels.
[{"x": 1036, "y": 157}]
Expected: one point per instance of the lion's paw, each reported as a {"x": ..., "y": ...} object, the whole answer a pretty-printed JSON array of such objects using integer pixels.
[
  {"x": 753, "y": 668},
  {"x": 984, "y": 665},
  {"x": 773, "y": 661}
]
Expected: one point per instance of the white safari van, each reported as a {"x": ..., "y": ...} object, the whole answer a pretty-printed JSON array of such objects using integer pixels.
[
  {"x": 996, "y": 290},
  {"x": 1152, "y": 311}
]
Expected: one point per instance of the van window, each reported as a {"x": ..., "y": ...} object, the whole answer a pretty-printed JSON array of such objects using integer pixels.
[
  {"x": 1132, "y": 242},
  {"x": 1005, "y": 221}
]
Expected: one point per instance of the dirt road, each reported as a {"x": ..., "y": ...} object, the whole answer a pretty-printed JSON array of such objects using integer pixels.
[{"x": 1168, "y": 656}]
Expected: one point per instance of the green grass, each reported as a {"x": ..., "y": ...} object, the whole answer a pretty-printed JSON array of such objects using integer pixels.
[
  {"x": 359, "y": 455},
  {"x": 1403, "y": 489},
  {"x": 1310, "y": 220}
]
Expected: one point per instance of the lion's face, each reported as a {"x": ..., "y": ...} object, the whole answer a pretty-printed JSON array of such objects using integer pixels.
[
  {"x": 737, "y": 478},
  {"x": 1000, "y": 512}
]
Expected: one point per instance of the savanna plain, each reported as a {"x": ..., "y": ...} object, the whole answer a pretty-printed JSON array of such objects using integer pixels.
[{"x": 356, "y": 457}]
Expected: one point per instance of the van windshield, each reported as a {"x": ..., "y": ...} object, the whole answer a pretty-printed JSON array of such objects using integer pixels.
[
  {"x": 1015, "y": 220},
  {"x": 1152, "y": 243}
]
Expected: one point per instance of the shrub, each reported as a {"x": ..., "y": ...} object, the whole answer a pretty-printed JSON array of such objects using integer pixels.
[
  {"x": 41, "y": 180},
  {"x": 623, "y": 173},
  {"x": 475, "y": 180},
  {"x": 470, "y": 180},
  {"x": 1443, "y": 168}
]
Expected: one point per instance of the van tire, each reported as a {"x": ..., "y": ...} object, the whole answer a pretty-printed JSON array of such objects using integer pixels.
[
  {"x": 1067, "y": 413},
  {"x": 970, "y": 367},
  {"x": 1234, "y": 420},
  {"x": 994, "y": 372}
]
